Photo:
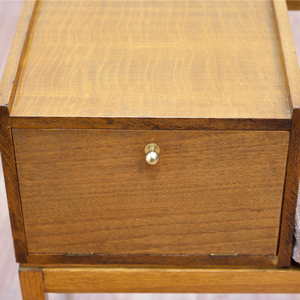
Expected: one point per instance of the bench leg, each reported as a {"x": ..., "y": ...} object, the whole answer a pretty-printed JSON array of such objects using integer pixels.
[{"x": 32, "y": 284}]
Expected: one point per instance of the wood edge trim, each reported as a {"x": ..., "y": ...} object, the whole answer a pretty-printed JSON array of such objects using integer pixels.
[
  {"x": 292, "y": 79},
  {"x": 11, "y": 74},
  {"x": 288, "y": 53},
  {"x": 154, "y": 260},
  {"x": 170, "y": 280},
  {"x": 149, "y": 123},
  {"x": 293, "y": 4},
  {"x": 290, "y": 194},
  {"x": 12, "y": 186}
]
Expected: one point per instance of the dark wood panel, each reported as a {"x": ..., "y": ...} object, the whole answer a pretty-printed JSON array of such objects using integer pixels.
[
  {"x": 12, "y": 186},
  {"x": 92, "y": 191}
]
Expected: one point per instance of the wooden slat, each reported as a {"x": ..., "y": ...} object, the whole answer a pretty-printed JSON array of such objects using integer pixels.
[
  {"x": 292, "y": 78},
  {"x": 293, "y": 4},
  {"x": 32, "y": 284},
  {"x": 290, "y": 195},
  {"x": 150, "y": 123},
  {"x": 143, "y": 280},
  {"x": 8, "y": 87}
]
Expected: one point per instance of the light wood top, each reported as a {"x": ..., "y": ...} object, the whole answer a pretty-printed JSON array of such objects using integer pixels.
[{"x": 173, "y": 59}]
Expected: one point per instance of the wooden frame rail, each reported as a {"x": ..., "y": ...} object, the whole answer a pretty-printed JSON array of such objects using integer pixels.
[{"x": 157, "y": 280}]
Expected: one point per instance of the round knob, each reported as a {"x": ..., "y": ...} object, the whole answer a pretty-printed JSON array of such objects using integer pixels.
[{"x": 152, "y": 152}]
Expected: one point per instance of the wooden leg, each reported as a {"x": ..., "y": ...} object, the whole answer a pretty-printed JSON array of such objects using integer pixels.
[{"x": 32, "y": 284}]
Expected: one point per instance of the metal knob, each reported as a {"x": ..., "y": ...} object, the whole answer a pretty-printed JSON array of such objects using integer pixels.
[{"x": 152, "y": 151}]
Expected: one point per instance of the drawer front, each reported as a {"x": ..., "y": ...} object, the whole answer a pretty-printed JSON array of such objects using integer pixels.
[{"x": 92, "y": 191}]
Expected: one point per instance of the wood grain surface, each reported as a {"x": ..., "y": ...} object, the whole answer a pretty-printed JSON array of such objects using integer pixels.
[
  {"x": 8, "y": 87},
  {"x": 160, "y": 59},
  {"x": 152, "y": 280},
  {"x": 92, "y": 191},
  {"x": 32, "y": 284}
]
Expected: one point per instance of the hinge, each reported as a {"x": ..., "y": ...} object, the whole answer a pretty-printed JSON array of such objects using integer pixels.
[
  {"x": 222, "y": 255},
  {"x": 80, "y": 253}
]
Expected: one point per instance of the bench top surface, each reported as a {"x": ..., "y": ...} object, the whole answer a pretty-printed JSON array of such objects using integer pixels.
[{"x": 173, "y": 59}]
